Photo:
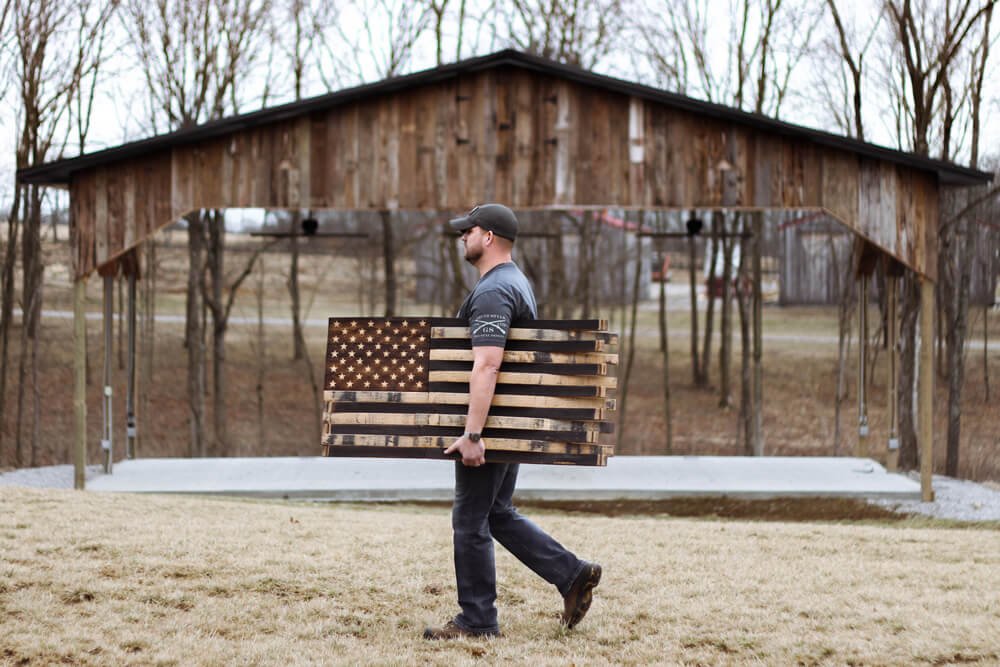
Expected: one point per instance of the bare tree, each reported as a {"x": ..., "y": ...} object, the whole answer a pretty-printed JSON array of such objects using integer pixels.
[
  {"x": 928, "y": 41},
  {"x": 570, "y": 31},
  {"x": 384, "y": 45},
  {"x": 52, "y": 49},
  {"x": 197, "y": 58},
  {"x": 843, "y": 92}
]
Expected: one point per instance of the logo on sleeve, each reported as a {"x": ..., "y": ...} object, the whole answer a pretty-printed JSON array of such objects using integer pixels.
[{"x": 489, "y": 325}]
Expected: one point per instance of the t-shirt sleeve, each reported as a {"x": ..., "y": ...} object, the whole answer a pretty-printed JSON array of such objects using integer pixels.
[{"x": 490, "y": 313}]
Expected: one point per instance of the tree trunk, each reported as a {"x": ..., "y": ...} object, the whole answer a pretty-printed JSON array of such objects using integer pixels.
[
  {"x": 623, "y": 389},
  {"x": 909, "y": 309},
  {"x": 758, "y": 335},
  {"x": 957, "y": 330},
  {"x": 725, "y": 346},
  {"x": 584, "y": 262},
  {"x": 261, "y": 361},
  {"x": 220, "y": 324},
  {"x": 147, "y": 348},
  {"x": 746, "y": 386},
  {"x": 195, "y": 335},
  {"x": 31, "y": 264},
  {"x": 665, "y": 349},
  {"x": 706, "y": 351},
  {"x": 693, "y": 277},
  {"x": 388, "y": 262},
  {"x": 7, "y": 307},
  {"x": 298, "y": 339}
]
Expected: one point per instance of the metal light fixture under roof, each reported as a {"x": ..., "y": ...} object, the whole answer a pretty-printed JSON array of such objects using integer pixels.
[{"x": 694, "y": 225}]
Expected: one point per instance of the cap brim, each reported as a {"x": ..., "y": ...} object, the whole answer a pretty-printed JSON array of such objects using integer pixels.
[{"x": 461, "y": 224}]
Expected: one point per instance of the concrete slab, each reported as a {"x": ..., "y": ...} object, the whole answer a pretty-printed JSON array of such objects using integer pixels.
[{"x": 625, "y": 477}]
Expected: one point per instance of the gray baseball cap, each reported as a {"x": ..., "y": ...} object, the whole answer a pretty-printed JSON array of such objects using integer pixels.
[{"x": 495, "y": 218}]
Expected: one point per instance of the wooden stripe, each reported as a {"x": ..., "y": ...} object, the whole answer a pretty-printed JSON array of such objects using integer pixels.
[
  {"x": 532, "y": 334},
  {"x": 564, "y": 325},
  {"x": 531, "y": 379},
  {"x": 436, "y": 419},
  {"x": 454, "y": 432},
  {"x": 570, "y": 414},
  {"x": 463, "y": 399},
  {"x": 564, "y": 346},
  {"x": 528, "y": 357},
  {"x": 443, "y": 442},
  {"x": 515, "y": 367},
  {"x": 560, "y": 391},
  {"x": 492, "y": 456}
]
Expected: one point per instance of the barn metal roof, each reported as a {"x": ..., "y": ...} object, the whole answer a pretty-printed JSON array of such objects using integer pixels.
[{"x": 58, "y": 172}]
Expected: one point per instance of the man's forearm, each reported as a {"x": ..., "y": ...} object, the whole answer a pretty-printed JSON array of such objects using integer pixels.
[{"x": 482, "y": 384}]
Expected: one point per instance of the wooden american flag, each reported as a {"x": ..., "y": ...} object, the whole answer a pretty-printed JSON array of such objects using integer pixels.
[{"x": 399, "y": 388}]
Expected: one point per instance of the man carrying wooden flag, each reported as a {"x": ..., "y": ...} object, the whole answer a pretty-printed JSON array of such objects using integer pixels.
[{"x": 483, "y": 507}]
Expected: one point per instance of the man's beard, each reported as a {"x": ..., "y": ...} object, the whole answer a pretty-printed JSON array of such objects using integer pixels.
[{"x": 472, "y": 256}]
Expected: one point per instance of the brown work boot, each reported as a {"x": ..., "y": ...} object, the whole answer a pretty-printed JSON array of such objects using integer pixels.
[
  {"x": 451, "y": 630},
  {"x": 581, "y": 594}
]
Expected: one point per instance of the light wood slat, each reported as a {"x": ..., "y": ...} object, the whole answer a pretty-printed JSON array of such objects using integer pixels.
[
  {"x": 532, "y": 334},
  {"x": 434, "y": 419},
  {"x": 507, "y": 444},
  {"x": 509, "y": 400},
  {"x": 532, "y": 379},
  {"x": 528, "y": 357}
]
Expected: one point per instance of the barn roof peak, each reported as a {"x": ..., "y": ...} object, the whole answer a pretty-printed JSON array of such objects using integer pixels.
[{"x": 58, "y": 172}]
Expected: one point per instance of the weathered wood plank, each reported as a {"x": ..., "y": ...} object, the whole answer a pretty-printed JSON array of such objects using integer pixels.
[
  {"x": 533, "y": 334},
  {"x": 548, "y": 379},
  {"x": 101, "y": 215},
  {"x": 445, "y": 441},
  {"x": 452, "y": 398},
  {"x": 513, "y": 356}
]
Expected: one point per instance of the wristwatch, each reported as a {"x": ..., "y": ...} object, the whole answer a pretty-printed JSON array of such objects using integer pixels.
[{"x": 473, "y": 437}]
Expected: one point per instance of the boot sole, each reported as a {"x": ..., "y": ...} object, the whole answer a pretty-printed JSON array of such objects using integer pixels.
[{"x": 586, "y": 597}]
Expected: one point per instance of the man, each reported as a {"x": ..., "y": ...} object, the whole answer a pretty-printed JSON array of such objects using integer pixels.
[{"x": 483, "y": 508}]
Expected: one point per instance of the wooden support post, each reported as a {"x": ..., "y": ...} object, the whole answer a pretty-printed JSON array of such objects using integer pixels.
[
  {"x": 130, "y": 427},
  {"x": 758, "y": 337},
  {"x": 925, "y": 389},
  {"x": 107, "y": 432},
  {"x": 892, "y": 459},
  {"x": 79, "y": 383},
  {"x": 862, "y": 448}
]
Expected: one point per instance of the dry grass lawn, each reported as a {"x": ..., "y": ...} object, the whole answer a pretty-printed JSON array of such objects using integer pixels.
[{"x": 88, "y": 578}]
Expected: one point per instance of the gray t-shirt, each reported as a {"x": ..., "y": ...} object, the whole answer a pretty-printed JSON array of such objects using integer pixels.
[{"x": 502, "y": 296}]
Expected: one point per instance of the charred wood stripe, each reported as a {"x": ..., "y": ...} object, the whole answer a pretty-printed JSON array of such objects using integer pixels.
[
  {"x": 523, "y": 345},
  {"x": 523, "y": 389},
  {"x": 492, "y": 456},
  {"x": 457, "y": 431},
  {"x": 388, "y": 417},
  {"x": 519, "y": 367},
  {"x": 519, "y": 445}
]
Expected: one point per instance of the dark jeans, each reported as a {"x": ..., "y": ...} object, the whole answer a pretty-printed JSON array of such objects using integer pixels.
[{"x": 483, "y": 511}]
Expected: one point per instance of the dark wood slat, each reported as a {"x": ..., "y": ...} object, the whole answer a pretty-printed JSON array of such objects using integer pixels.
[
  {"x": 492, "y": 456},
  {"x": 524, "y": 345},
  {"x": 522, "y": 389},
  {"x": 453, "y": 432},
  {"x": 515, "y": 367}
]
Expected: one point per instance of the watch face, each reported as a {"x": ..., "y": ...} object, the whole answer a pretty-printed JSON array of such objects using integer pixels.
[{"x": 474, "y": 437}]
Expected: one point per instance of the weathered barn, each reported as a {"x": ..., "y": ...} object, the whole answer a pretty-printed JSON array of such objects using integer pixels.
[{"x": 506, "y": 127}]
